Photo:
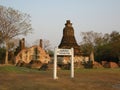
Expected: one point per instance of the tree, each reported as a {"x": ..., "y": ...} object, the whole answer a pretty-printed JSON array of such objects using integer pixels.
[
  {"x": 2, "y": 54},
  {"x": 12, "y": 24},
  {"x": 0, "y": 37},
  {"x": 110, "y": 48},
  {"x": 90, "y": 41},
  {"x": 115, "y": 44},
  {"x": 46, "y": 44}
]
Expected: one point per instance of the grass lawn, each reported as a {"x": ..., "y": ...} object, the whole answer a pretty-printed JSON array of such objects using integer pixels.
[{"x": 21, "y": 78}]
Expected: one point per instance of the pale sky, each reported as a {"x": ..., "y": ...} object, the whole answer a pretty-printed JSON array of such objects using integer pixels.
[{"x": 49, "y": 16}]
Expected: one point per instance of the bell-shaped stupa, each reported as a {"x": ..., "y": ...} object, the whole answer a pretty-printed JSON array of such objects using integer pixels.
[{"x": 68, "y": 40}]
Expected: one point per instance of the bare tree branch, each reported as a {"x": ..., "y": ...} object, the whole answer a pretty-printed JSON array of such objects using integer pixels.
[{"x": 12, "y": 24}]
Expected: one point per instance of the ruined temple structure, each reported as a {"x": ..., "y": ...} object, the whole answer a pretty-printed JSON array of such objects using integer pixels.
[
  {"x": 35, "y": 53},
  {"x": 68, "y": 40}
]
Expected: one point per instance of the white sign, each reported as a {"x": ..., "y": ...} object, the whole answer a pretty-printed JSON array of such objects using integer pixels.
[{"x": 64, "y": 51}]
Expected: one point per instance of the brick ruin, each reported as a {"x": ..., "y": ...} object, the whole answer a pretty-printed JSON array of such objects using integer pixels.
[{"x": 35, "y": 53}]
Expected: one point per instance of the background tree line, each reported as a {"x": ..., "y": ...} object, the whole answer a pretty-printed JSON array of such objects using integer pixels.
[{"x": 103, "y": 47}]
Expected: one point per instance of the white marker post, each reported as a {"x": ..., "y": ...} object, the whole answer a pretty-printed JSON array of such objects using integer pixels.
[
  {"x": 63, "y": 52},
  {"x": 55, "y": 65},
  {"x": 72, "y": 63}
]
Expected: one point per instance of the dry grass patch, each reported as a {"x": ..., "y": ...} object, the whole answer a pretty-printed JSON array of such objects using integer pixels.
[{"x": 17, "y": 78}]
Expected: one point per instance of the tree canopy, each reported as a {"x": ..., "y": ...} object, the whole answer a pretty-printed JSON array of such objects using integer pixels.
[
  {"x": 105, "y": 46},
  {"x": 12, "y": 24}
]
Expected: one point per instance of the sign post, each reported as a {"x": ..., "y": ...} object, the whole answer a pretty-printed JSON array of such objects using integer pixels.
[
  {"x": 55, "y": 65},
  {"x": 72, "y": 63},
  {"x": 63, "y": 52}
]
